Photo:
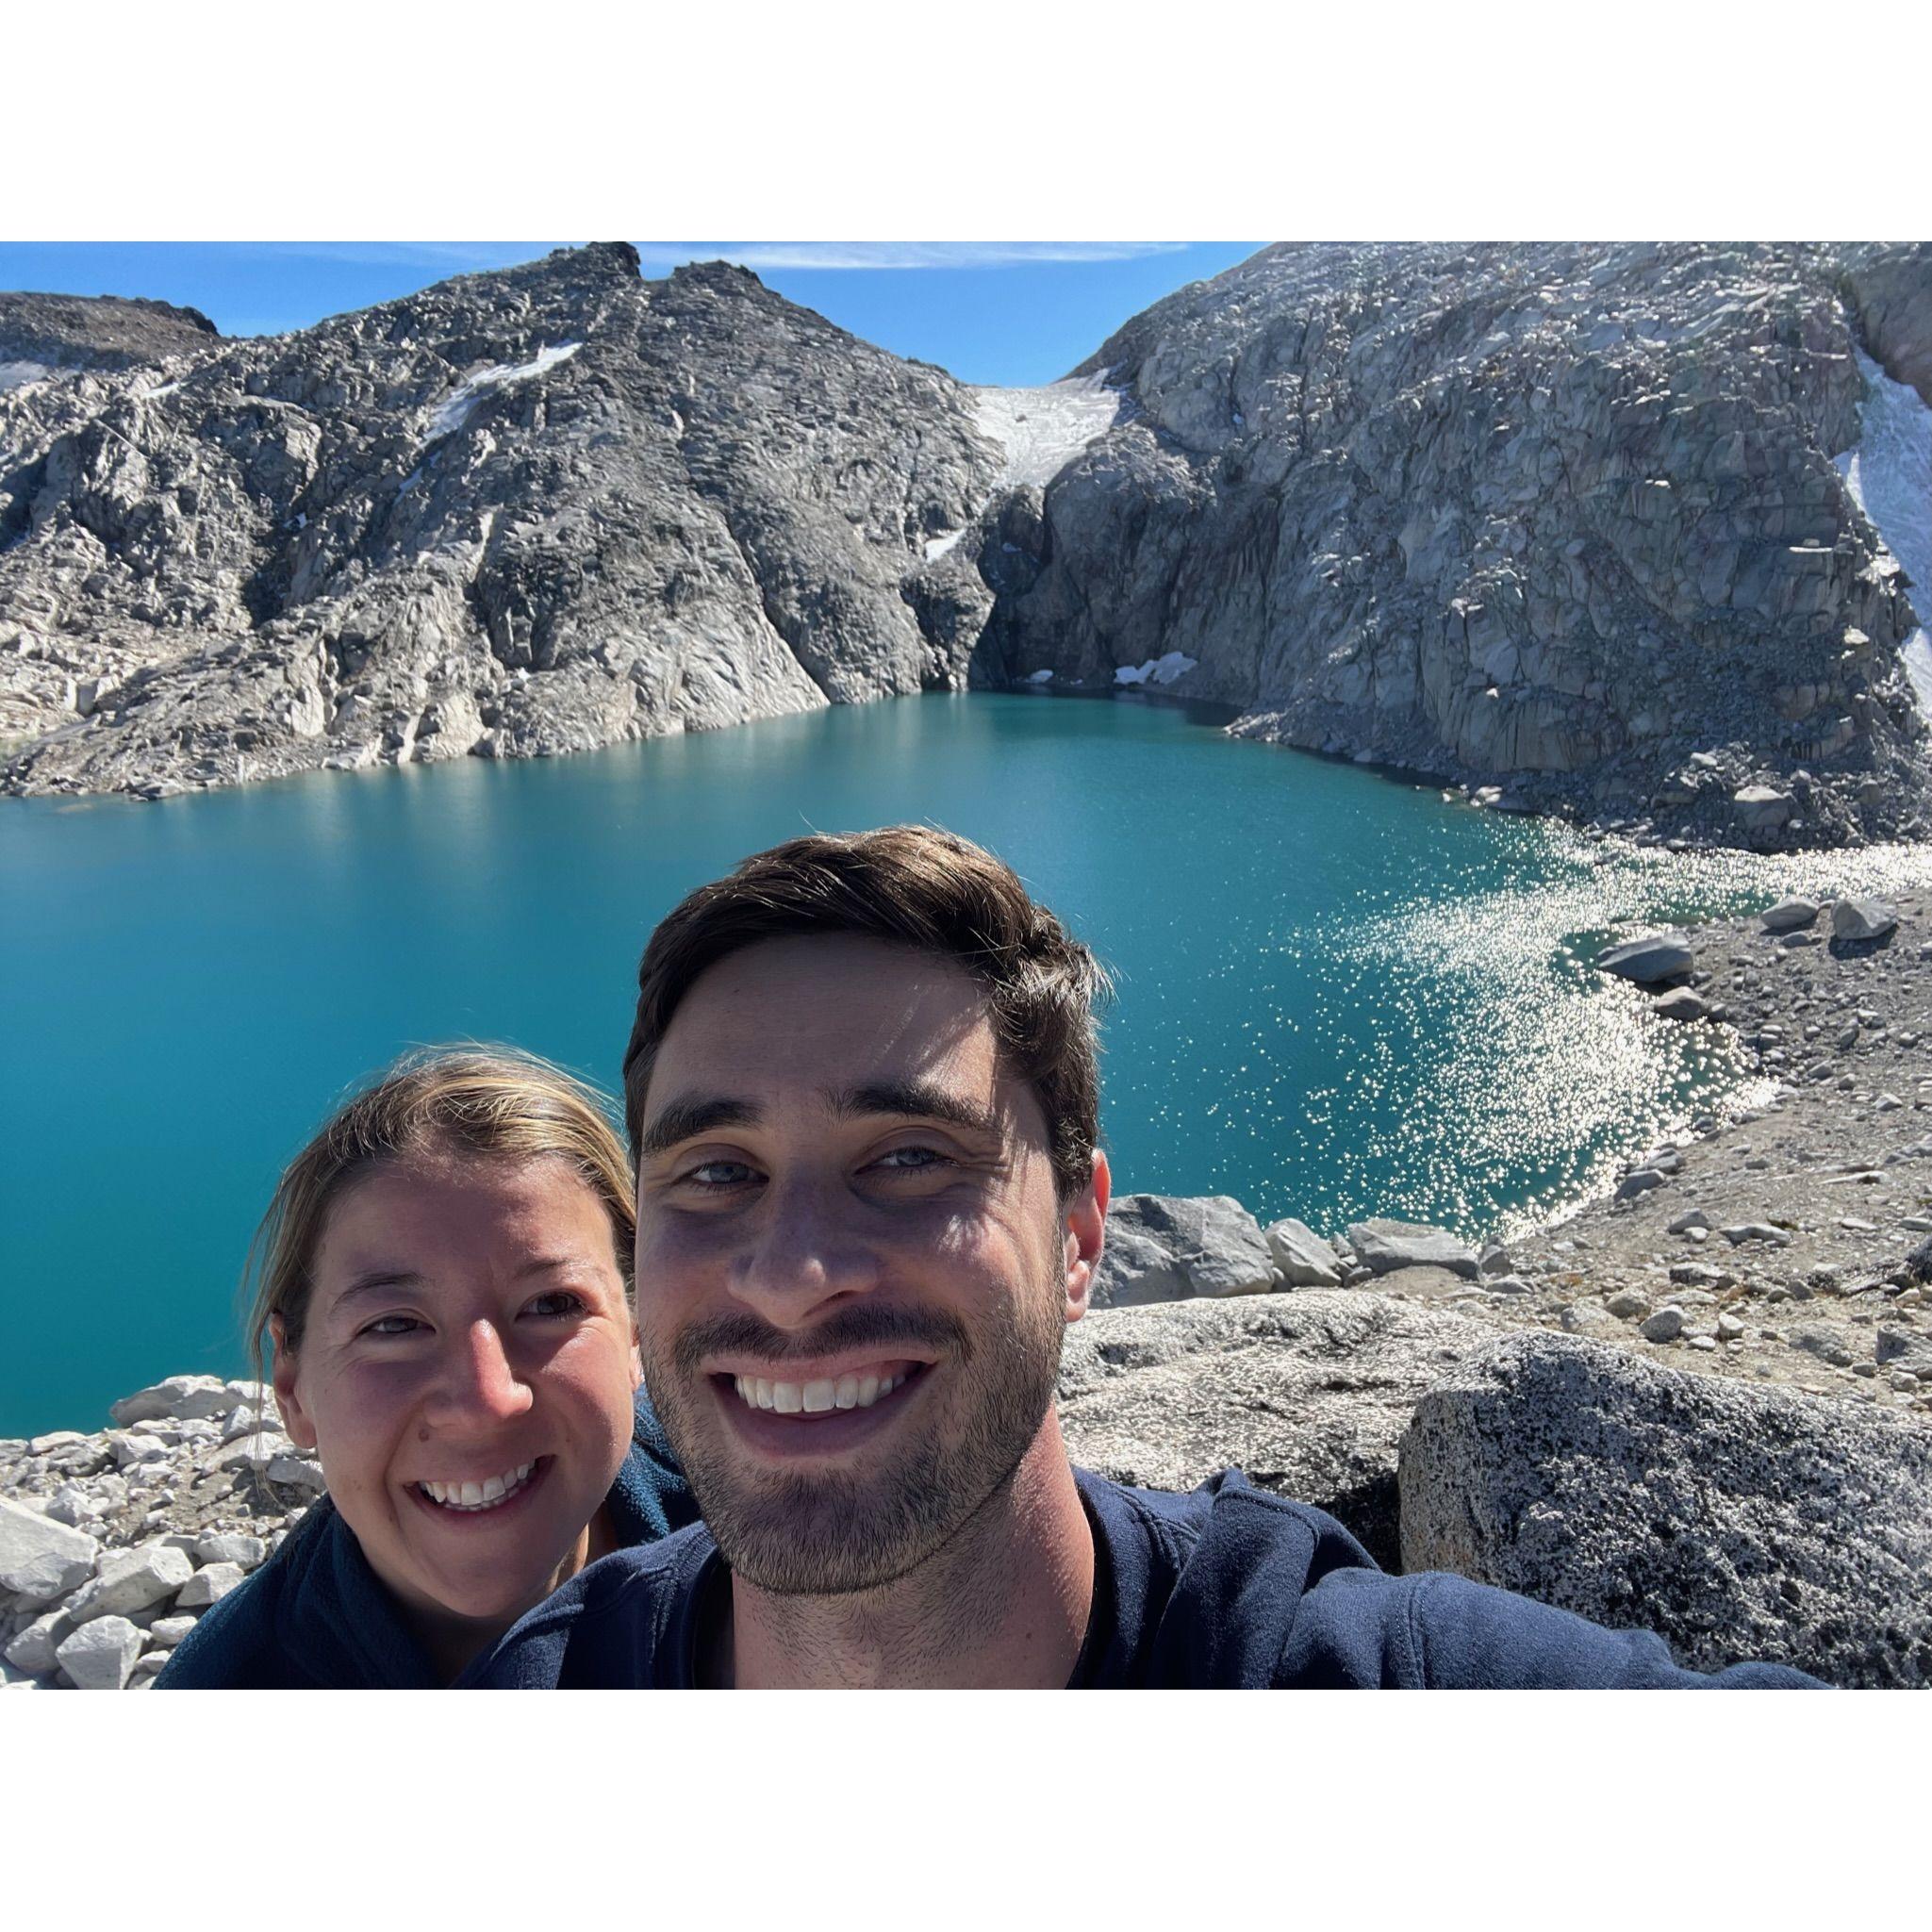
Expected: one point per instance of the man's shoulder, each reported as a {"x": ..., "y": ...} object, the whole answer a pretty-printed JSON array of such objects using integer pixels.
[
  {"x": 619, "y": 1623},
  {"x": 1266, "y": 1592}
]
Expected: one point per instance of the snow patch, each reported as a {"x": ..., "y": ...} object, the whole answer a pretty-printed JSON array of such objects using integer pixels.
[
  {"x": 470, "y": 394},
  {"x": 938, "y": 546},
  {"x": 1041, "y": 677},
  {"x": 17, "y": 376},
  {"x": 1041, "y": 430},
  {"x": 1157, "y": 670},
  {"x": 1889, "y": 474}
]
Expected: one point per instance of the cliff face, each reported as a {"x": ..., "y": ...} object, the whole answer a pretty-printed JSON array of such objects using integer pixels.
[
  {"x": 520, "y": 513},
  {"x": 1559, "y": 517}
]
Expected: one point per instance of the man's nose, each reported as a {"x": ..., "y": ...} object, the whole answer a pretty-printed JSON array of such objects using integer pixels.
[
  {"x": 805, "y": 1256},
  {"x": 479, "y": 1383}
]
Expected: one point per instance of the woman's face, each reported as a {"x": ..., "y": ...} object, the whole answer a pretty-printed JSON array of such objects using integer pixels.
[{"x": 466, "y": 1375}]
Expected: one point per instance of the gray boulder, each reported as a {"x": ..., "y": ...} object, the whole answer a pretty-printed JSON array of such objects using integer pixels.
[
  {"x": 1169, "y": 1248},
  {"x": 34, "y": 1649},
  {"x": 1736, "y": 1521},
  {"x": 100, "y": 1655},
  {"x": 40, "y": 1559},
  {"x": 1762, "y": 807},
  {"x": 1654, "y": 957},
  {"x": 1679, "y": 1003},
  {"x": 179, "y": 1398},
  {"x": 1790, "y": 915},
  {"x": 209, "y": 1585},
  {"x": 131, "y": 1580},
  {"x": 1384, "y": 1245},
  {"x": 1302, "y": 1259},
  {"x": 1308, "y": 1392},
  {"x": 1862, "y": 921}
]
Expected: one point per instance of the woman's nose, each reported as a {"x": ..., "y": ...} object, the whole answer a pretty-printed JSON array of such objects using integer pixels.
[{"x": 479, "y": 1383}]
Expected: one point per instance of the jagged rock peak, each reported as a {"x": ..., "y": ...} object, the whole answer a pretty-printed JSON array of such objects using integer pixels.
[{"x": 59, "y": 332}]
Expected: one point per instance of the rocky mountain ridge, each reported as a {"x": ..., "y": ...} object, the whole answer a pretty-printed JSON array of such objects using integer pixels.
[
  {"x": 1574, "y": 526},
  {"x": 1561, "y": 519},
  {"x": 529, "y": 512}
]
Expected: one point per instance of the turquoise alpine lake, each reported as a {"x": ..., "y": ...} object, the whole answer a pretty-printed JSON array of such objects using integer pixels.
[{"x": 1338, "y": 994}]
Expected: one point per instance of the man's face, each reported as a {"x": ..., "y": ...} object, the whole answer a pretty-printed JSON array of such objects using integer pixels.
[{"x": 853, "y": 1275}]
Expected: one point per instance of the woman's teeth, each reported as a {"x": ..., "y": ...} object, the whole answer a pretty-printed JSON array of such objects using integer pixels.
[
  {"x": 816, "y": 1398},
  {"x": 478, "y": 1495}
]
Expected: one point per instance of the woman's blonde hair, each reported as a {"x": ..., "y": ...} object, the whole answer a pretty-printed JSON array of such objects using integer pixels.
[{"x": 494, "y": 1102}]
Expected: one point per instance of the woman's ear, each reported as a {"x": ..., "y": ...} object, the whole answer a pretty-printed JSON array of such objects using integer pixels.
[
  {"x": 1085, "y": 1222},
  {"x": 295, "y": 1422}
]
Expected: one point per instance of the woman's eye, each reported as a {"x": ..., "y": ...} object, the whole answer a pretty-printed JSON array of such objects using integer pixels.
[
  {"x": 558, "y": 1303},
  {"x": 391, "y": 1325}
]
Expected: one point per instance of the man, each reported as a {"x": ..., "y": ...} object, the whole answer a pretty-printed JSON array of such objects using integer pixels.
[{"x": 862, "y": 1094}]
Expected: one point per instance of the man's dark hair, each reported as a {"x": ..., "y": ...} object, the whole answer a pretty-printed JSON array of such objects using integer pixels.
[{"x": 909, "y": 886}]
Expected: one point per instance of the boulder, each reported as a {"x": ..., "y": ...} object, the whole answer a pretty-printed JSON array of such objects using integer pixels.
[
  {"x": 1308, "y": 1392},
  {"x": 178, "y": 1398},
  {"x": 210, "y": 1586},
  {"x": 132, "y": 1579},
  {"x": 1302, "y": 1259},
  {"x": 100, "y": 1655},
  {"x": 34, "y": 1648},
  {"x": 1167, "y": 1247},
  {"x": 1761, "y": 807},
  {"x": 169, "y": 1631},
  {"x": 1790, "y": 915},
  {"x": 230, "y": 1546},
  {"x": 1387, "y": 1245},
  {"x": 1736, "y": 1521},
  {"x": 40, "y": 1559},
  {"x": 297, "y": 1472},
  {"x": 1862, "y": 921},
  {"x": 1679, "y": 1003},
  {"x": 1654, "y": 957}
]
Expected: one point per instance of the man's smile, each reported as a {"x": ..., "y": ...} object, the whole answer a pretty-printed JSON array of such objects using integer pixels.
[{"x": 818, "y": 1413}]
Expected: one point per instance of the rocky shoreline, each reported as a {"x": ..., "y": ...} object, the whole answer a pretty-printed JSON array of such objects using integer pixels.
[{"x": 1701, "y": 1404}]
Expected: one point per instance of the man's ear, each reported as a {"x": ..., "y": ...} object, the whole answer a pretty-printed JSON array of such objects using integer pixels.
[
  {"x": 1085, "y": 1222},
  {"x": 295, "y": 1422}
]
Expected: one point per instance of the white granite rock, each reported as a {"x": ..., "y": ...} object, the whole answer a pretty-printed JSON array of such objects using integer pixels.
[
  {"x": 100, "y": 1655},
  {"x": 41, "y": 1559},
  {"x": 132, "y": 1579}
]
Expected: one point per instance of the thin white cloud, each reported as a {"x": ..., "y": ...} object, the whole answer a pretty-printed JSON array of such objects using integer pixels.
[{"x": 896, "y": 254}]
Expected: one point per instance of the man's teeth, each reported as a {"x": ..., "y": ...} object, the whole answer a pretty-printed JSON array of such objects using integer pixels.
[
  {"x": 814, "y": 1398},
  {"x": 478, "y": 1495}
]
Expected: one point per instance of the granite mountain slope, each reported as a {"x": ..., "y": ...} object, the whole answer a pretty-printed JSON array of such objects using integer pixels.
[
  {"x": 520, "y": 513},
  {"x": 1562, "y": 518}
]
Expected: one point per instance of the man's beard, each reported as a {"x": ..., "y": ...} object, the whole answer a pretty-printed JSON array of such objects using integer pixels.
[{"x": 839, "y": 1532}]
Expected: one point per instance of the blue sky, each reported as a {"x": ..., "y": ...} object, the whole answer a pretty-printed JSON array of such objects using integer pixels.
[{"x": 990, "y": 312}]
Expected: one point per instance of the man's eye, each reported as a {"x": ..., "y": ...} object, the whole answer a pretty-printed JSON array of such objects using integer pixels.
[
  {"x": 912, "y": 1159},
  {"x": 717, "y": 1173},
  {"x": 391, "y": 1324},
  {"x": 556, "y": 1305}
]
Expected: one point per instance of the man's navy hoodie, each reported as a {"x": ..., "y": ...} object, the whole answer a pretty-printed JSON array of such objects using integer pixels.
[
  {"x": 1228, "y": 1587},
  {"x": 315, "y": 1617}
]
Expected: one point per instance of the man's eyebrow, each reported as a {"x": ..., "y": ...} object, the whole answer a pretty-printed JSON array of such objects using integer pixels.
[
  {"x": 920, "y": 1099},
  {"x": 684, "y": 1119}
]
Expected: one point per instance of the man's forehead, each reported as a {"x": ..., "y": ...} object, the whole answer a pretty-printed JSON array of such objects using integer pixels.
[{"x": 832, "y": 1010}]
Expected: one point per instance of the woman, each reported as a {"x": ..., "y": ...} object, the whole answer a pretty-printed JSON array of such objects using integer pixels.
[{"x": 445, "y": 1276}]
